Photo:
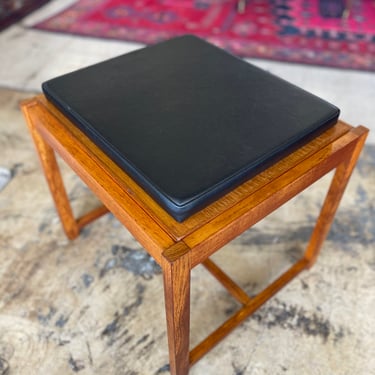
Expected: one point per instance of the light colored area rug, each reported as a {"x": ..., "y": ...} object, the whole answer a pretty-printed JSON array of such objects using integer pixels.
[{"x": 95, "y": 305}]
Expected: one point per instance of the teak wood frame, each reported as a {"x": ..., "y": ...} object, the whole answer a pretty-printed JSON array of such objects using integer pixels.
[{"x": 178, "y": 247}]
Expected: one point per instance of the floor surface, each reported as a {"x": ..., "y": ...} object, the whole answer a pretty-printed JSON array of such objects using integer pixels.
[{"x": 95, "y": 305}]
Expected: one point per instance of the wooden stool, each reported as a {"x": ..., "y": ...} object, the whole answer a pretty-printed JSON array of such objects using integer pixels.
[{"x": 179, "y": 247}]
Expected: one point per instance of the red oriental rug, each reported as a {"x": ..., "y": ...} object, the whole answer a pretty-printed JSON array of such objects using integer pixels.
[{"x": 337, "y": 33}]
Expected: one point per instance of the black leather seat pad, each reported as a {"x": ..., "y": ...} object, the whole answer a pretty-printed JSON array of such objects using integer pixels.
[{"x": 187, "y": 120}]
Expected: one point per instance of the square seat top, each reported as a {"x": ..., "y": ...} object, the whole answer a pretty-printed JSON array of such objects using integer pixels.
[{"x": 188, "y": 121}]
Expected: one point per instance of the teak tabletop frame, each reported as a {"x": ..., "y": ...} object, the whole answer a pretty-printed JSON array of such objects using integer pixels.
[{"x": 178, "y": 247}]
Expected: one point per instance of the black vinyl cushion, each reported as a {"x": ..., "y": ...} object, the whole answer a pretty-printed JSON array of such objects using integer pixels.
[{"x": 187, "y": 120}]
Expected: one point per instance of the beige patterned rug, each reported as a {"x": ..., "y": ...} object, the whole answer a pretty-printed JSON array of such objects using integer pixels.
[{"x": 95, "y": 305}]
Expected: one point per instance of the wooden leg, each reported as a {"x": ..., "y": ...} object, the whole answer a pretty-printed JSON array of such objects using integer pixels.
[
  {"x": 55, "y": 183},
  {"x": 54, "y": 179},
  {"x": 176, "y": 271},
  {"x": 331, "y": 203}
]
